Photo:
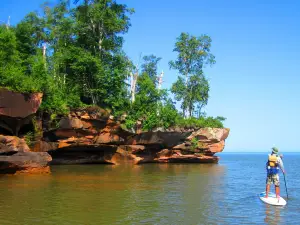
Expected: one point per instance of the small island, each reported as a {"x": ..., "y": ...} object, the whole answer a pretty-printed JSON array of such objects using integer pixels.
[{"x": 69, "y": 94}]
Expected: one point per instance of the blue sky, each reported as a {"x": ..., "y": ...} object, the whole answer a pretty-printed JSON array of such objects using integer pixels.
[{"x": 255, "y": 81}]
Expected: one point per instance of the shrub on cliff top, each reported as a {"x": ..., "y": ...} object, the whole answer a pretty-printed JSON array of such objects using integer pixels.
[{"x": 201, "y": 122}]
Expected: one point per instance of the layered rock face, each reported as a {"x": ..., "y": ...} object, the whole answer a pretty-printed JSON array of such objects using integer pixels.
[
  {"x": 17, "y": 109},
  {"x": 16, "y": 112},
  {"x": 94, "y": 137},
  {"x": 16, "y": 157},
  {"x": 91, "y": 135}
]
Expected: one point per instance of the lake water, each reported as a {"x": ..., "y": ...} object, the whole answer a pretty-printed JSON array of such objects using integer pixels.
[{"x": 224, "y": 193}]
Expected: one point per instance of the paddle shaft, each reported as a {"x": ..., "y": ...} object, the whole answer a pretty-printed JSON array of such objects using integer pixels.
[{"x": 285, "y": 187}]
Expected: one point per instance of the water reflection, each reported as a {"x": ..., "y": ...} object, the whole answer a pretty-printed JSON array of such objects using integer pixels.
[
  {"x": 124, "y": 194},
  {"x": 174, "y": 193},
  {"x": 272, "y": 214}
]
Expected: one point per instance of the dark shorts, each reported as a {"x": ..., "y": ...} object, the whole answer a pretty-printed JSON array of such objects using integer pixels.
[{"x": 273, "y": 179}]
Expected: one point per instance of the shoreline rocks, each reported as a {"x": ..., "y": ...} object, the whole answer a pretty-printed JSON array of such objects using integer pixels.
[
  {"x": 83, "y": 138},
  {"x": 16, "y": 157}
]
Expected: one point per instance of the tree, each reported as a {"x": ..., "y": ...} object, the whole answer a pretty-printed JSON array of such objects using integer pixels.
[
  {"x": 99, "y": 26},
  {"x": 147, "y": 96},
  {"x": 193, "y": 55},
  {"x": 180, "y": 91},
  {"x": 84, "y": 51},
  {"x": 150, "y": 66},
  {"x": 198, "y": 93}
]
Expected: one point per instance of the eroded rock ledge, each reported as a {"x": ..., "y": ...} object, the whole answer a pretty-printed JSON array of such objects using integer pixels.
[
  {"x": 87, "y": 137},
  {"x": 91, "y": 135},
  {"x": 16, "y": 157}
]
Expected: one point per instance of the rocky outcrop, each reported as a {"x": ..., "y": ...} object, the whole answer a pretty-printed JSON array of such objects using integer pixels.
[
  {"x": 164, "y": 139},
  {"x": 16, "y": 157},
  {"x": 206, "y": 140},
  {"x": 17, "y": 109},
  {"x": 10, "y": 145},
  {"x": 90, "y": 137}
]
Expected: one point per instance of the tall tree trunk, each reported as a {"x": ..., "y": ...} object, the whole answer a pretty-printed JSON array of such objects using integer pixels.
[
  {"x": 160, "y": 80},
  {"x": 44, "y": 56},
  {"x": 8, "y": 23},
  {"x": 133, "y": 86},
  {"x": 185, "y": 108}
]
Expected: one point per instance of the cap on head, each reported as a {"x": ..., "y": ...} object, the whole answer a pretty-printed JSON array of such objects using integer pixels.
[{"x": 275, "y": 150}]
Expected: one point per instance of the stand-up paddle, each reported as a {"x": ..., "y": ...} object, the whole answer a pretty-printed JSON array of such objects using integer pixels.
[{"x": 287, "y": 195}]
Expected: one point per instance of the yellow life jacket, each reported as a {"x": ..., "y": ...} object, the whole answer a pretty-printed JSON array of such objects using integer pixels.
[{"x": 272, "y": 160}]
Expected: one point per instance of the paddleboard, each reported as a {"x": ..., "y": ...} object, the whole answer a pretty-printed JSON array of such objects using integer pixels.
[{"x": 272, "y": 200}]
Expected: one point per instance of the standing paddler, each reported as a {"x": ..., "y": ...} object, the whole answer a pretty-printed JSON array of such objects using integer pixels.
[{"x": 273, "y": 164}]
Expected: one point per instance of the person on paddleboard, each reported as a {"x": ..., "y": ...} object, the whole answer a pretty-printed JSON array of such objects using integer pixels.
[{"x": 273, "y": 164}]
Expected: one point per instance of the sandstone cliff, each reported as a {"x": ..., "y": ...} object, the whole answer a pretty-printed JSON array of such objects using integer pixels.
[{"x": 91, "y": 135}]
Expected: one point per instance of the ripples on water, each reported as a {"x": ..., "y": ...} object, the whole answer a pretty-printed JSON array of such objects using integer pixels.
[{"x": 224, "y": 193}]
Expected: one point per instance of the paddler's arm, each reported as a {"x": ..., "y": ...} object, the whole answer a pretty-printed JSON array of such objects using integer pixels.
[{"x": 280, "y": 163}]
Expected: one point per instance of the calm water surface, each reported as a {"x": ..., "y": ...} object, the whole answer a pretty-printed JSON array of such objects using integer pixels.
[{"x": 225, "y": 193}]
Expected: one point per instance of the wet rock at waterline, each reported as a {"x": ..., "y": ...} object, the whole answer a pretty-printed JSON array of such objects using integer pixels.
[{"x": 16, "y": 157}]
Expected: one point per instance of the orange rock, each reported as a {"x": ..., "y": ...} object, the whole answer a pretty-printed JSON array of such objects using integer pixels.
[
  {"x": 12, "y": 144},
  {"x": 133, "y": 148},
  {"x": 166, "y": 139},
  {"x": 85, "y": 116},
  {"x": 105, "y": 138},
  {"x": 86, "y": 125},
  {"x": 63, "y": 145},
  {"x": 42, "y": 170},
  {"x": 70, "y": 123},
  {"x": 65, "y": 133},
  {"x": 89, "y": 137},
  {"x": 188, "y": 159},
  {"x": 19, "y": 105},
  {"x": 210, "y": 135},
  {"x": 164, "y": 153},
  {"x": 216, "y": 147},
  {"x": 43, "y": 146},
  {"x": 122, "y": 156},
  {"x": 24, "y": 161}
]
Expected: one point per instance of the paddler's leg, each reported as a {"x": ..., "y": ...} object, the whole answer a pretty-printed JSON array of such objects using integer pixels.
[
  {"x": 267, "y": 190},
  {"x": 268, "y": 183},
  {"x": 277, "y": 188}
]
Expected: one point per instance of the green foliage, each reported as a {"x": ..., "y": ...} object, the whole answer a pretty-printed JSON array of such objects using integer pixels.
[
  {"x": 12, "y": 71},
  {"x": 201, "y": 122},
  {"x": 36, "y": 129},
  {"x": 152, "y": 121},
  {"x": 130, "y": 122},
  {"x": 8, "y": 45},
  {"x": 193, "y": 55},
  {"x": 194, "y": 143},
  {"x": 29, "y": 138},
  {"x": 74, "y": 56},
  {"x": 164, "y": 117},
  {"x": 193, "y": 94},
  {"x": 146, "y": 105},
  {"x": 150, "y": 66},
  {"x": 84, "y": 62},
  {"x": 168, "y": 114}
]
